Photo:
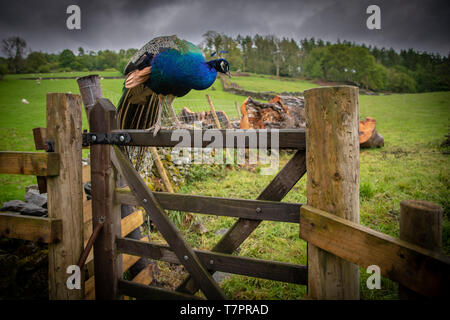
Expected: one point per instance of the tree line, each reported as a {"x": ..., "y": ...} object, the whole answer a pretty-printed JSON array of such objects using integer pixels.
[{"x": 368, "y": 67}]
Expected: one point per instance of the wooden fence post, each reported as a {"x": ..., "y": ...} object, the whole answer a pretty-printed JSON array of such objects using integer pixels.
[
  {"x": 107, "y": 263},
  {"x": 420, "y": 224},
  {"x": 65, "y": 192},
  {"x": 91, "y": 90},
  {"x": 332, "y": 166}
]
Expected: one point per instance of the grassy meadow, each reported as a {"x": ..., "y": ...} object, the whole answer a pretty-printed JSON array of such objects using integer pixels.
[
  {"x": 411, "y": 165},
  {"x": 257, "y": 82}
]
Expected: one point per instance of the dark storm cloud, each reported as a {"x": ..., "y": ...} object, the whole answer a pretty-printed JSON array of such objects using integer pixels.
[{"x": 422, "y": 25}]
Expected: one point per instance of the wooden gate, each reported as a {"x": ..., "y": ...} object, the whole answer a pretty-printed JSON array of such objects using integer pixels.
[{"x": 107, "y": 162}]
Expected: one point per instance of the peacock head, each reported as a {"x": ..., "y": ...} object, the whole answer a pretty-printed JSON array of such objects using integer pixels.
[{"x": 221, "y": 65}]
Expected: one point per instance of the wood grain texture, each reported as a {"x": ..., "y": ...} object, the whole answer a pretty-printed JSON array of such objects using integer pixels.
[
  {"x": 332, "y": 163},
  {"x": 65, "y": 191},
  {"x": 420, "y": 224},
  {"x": 90, "y": 90},
  {"x": 45, "y": 230},
  {"x": 128, "y": 224},
  {"x": 40, "y": 135},
  {"x": 213, "y": 112},
  {"x": 240, "y": 208},
  {"x": 417, "y": 268},
  {"x": 131, "y": 222},
  {"x": 162, "y": 172},
  {"x": 107, "y": 264},
  {"x": 272, "y": 270},
  {"x": 283, "y": 182},
  {"x": 29, "y": 163},
  {"x": 170, "y": 233},
  {"x": 288, "y": 138},
  {"x": 128, "y": 260}
]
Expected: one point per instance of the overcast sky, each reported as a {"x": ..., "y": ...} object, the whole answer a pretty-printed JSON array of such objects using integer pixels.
[{"x": 422, "y": 25}]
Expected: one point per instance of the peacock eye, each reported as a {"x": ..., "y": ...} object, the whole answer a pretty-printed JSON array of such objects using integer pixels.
[{"x": 222, "y": 65}]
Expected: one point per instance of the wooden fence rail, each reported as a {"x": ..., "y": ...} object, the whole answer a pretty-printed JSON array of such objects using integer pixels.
[
  {"x": 45, "y": 230},
  {"x": 215, "y": 138},
  {"x": 272, "y": 270},
  {"x": 239, "y": 208},
  {"x": 335, "y": 242},
  {"x": 29, "y": 163},
  {"x": 418, "y": 269}
]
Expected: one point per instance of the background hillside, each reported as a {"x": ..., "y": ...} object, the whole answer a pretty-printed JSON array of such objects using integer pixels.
[{"x": 365, "y": 66}]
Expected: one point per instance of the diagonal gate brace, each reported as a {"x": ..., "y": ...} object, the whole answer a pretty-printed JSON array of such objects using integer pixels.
[
  {"x": 283, "y": 182},
  {"x": 178, "y": 244}
]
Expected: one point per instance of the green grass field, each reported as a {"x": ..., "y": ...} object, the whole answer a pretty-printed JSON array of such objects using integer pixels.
[
  {"x": 256, "y": 82},
  {"x": 410, "y": 166}
]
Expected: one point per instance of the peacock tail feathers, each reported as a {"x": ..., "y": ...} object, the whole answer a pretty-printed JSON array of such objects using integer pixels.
[{"x": 138, "y": 109}]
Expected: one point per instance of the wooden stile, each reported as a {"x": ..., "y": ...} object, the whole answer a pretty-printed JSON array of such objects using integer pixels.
[
  {"x": 131, "y": 222},
  {"x": 29, "y": 163},
  {"x": 45, "y": 230}
]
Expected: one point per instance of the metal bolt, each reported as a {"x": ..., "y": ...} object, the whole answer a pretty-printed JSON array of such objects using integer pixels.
[
  {"x": 186, "y": 257},
  {"x": 144, "y": 201},
  {"x": 258, "y": 210},
  {"x": 211, "y": 261},
  {"x": 122, "y": 138},
  {"x": 94, "y": 137}
]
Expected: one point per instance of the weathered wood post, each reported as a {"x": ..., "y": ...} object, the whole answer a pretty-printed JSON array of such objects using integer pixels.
[
  {"x": 107, "y": 262},
  {"x": 332, "y": 166},
  {"x": 65, "y": 192},
  {"x": 91, "y": 90},
  {"x": 421, "y": 224}
]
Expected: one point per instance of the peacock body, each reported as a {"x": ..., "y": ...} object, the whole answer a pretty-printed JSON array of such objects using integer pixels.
[{"x": 165, "y": 68}]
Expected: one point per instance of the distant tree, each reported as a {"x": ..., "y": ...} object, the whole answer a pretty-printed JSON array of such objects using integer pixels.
[
  {"x": 3, "y": 67},
  {"x": 14, "y": 48},
  {"x": 35, "y": 60},
  {"x": 66, "y": 58}
]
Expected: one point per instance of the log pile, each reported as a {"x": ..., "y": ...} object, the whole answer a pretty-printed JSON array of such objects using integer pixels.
[
  {"x": 281, "y": 112},
  {"x": 368, "y": 135},
  {"x": 205, "y": 117}
]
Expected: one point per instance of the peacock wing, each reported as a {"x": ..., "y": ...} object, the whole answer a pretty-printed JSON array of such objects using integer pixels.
[{"x": 152, "y": 48}]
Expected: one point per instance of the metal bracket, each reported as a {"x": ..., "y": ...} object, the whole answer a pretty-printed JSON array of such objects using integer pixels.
[
  {"x": 49, "y": 146},
  {"x": 119, "y": 138}
]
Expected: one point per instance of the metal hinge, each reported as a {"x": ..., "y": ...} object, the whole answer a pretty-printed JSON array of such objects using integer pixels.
[{"x": 120, "y": 138}]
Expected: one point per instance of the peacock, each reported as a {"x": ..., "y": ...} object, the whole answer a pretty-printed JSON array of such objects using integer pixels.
[{"x": 164, "y": 68}]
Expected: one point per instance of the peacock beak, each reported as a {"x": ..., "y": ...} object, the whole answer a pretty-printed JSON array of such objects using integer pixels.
[{"x": 228, "y": 73}]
